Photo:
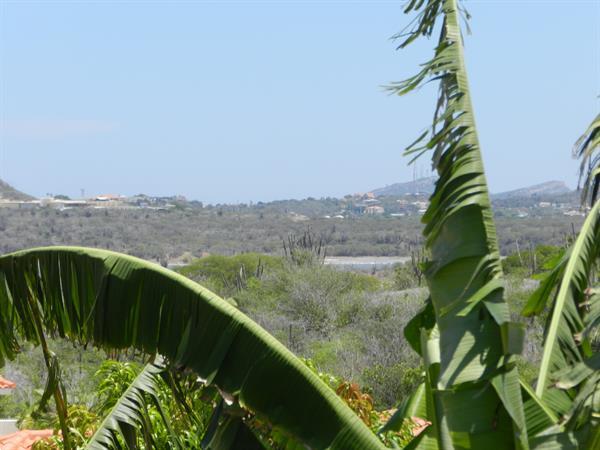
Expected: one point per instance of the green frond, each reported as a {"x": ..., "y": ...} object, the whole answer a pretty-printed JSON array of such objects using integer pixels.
[
  {"x": 587, "y": 149},
  {"x": 565, "y": 290},
  {"x": 412, "y": 406},
  {"x": 229, "y": 432},
  {"x": 474, "y": 367},
  {"x": 128, "y": 415},
  {"x": 117, "y": 301},
  {"x": 538, "y": 416},
  {"x": 569, "y": 376}
]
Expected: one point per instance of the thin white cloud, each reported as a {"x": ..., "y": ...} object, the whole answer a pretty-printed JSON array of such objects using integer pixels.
[{"x": 55, "y": 128}]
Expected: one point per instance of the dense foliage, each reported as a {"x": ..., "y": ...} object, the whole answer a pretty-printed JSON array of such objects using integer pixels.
[
  {"x": 344, "y": 321},
  {"x": 168, "y": 236},
  {"x": 186, "y": 417},
  {"x": 231, "y": 385}
]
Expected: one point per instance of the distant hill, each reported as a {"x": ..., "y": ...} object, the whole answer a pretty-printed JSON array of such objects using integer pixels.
[
  {"x": 10, "y": 193},
  {"x": 547, "y": 189},
  {"x": 420, "y": 186}
]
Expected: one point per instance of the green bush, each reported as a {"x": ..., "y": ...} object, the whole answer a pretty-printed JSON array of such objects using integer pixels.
[
  {"x": 391, "y": 384},
  {"x": 404, "y": 277},
  {"x": 527, "y": 262},
  {"x": 226, "y": 275}
]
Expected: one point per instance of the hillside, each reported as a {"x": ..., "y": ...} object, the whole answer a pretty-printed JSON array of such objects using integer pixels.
[
  {"x": 10, "y": 193},
  {"x": 547, "y": 189},
  {"x": 420, "y": 186}
]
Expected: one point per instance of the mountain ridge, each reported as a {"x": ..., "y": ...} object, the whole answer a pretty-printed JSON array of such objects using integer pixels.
[
  {"x": 7, "y": 192},
  {"x": 426, "y": 186},
  {"x": 553, "y": 187},
  {"x": 421, "y": 186}
]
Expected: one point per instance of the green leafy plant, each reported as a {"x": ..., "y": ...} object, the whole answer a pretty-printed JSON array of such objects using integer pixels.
[
  {"x": 117, "y": 301},
  {"x": 464, "y": 333},
  {"x": 587, "y": 148},
  {"x": 471, "y": 396}
]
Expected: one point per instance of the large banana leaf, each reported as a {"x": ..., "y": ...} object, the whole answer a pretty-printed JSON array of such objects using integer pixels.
[
  {"x": 587, "y": 148},
  {"x": 476, "y": 395},
  {"x": 117, "y": 301},
  {"x": 569, "y": 375}
]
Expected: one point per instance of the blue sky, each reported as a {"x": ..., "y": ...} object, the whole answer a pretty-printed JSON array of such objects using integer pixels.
[{"x": 236, "y": 101}]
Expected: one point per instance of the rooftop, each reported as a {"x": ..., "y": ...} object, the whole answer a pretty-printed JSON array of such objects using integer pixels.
[
  {"x": 23, "y": 439},
  {"x": 6, "y": 384}
]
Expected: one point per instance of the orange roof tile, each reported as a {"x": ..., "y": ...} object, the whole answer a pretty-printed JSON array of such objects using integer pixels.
[
  {"x": 6, "y": 384},
  {"x": 419, "y": 425},
  {"x": 23, "y": 440}
]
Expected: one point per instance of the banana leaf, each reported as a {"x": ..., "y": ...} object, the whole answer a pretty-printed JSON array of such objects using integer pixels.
[
  {"x": 129, "y": 413},
  {"x": 117, "y": 301},
  {"x": 574, "y": 312},
  {"x": 476, "y": 399},
  {"x": 587, "y": 148}
]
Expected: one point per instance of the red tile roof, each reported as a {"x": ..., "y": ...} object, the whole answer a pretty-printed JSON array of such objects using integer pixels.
[
  {"x": 6, "y": 384},
  {"x": 23, "y": 440},
  {"x": 419, "y": 425}
]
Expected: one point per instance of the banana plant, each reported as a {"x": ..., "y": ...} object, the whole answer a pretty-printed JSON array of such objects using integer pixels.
[
  {"x": 465, "y": 321},
  {"x": 567, "y": 335},
  {"x": 472, "y": 393},
  {"x": 116, "y": 301},
  {"x": 569, "y": 375},
  {"x": 471, "y": 397},
  {"x": 128, "y": 416},
  {"x": 587, "y": 148}
]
